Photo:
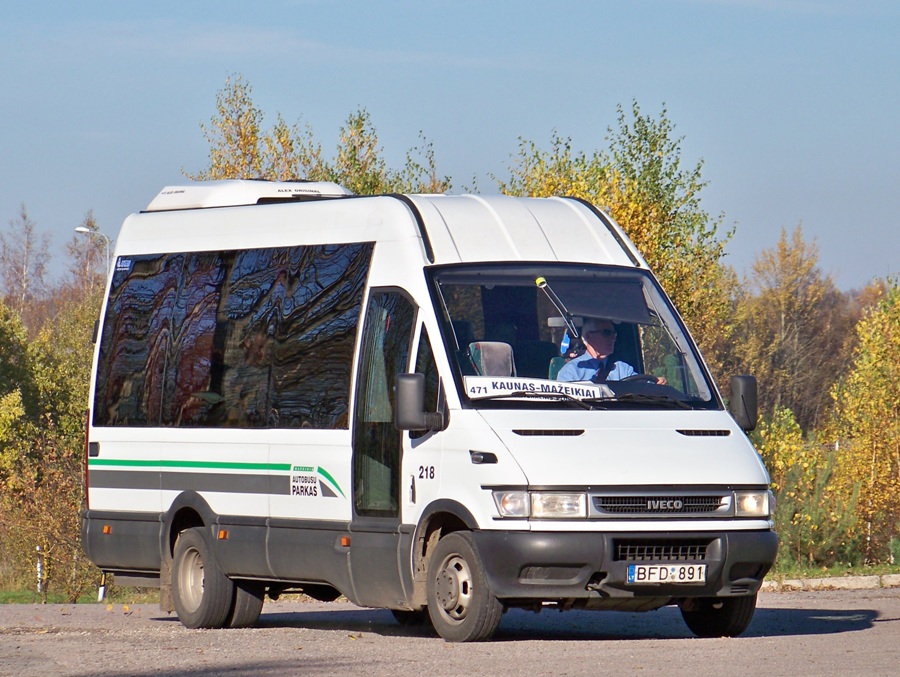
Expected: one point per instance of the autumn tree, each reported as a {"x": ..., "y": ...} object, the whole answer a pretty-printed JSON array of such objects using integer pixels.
[
  {"x": 19, "y": 399},
  {"x": 240, "y": 148},
  {"x": 795, "y": 329},
  {"x": 42, "y": 442},
  {"x": 44, "y": 377},
  {"x": 815, "y": 519},
  {"x": 640, "y": 178},
  {"x": 19, "y": 409},
  {"x": 88, "y": 256},
  {"x": 24, "y": 255},
  {"x": 866, "y": 424},
  {"x": 233, "y": 135}
]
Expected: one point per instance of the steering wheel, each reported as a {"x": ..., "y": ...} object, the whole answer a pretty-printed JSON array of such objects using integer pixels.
[{"x": 645, "y": 378}]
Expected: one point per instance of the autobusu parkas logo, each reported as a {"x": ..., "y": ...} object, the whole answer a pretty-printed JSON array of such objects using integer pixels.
[{"x": 310, "y": 481}]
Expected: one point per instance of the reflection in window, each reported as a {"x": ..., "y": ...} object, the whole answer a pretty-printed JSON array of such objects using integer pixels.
[{"x": 256, "y": 338}]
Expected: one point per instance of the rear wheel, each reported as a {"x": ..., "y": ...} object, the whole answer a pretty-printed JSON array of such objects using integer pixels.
[
  {"x": 718, "y": 616},
  {"x": 201, "y": 593},
  {"x": 461, "y": 604},
  {"x": 248, "y": 603}
]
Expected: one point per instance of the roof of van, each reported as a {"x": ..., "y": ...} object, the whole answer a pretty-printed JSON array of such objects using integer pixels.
[
  {"x": 469, "y": 228},
  {"x": 452, "y": 228}
]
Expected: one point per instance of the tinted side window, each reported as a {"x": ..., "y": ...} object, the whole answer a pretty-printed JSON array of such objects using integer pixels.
[
  {"x": 255, "y": 338},
  {"x": 426, "y": 365}
]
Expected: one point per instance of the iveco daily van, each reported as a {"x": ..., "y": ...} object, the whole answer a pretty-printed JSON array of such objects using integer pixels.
[{"x": 299, "y": 389}]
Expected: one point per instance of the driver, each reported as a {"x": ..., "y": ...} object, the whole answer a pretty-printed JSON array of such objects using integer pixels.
[
  {"x": 599, "y": 338},
  {"x": 596, "y": 364}
]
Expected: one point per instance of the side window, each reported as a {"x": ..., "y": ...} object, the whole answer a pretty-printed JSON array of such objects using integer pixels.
[
  {"x": 663, "y": 358},
  {"x": 259, "y": 338},
  {"x": 135, "y": 341},
  {"x": 425, "y": 364},
  {"x": 376, "y": 441},
  {"x": 286, "y": 331}
]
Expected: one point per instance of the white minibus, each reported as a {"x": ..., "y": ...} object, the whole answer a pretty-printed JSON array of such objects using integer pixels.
[{"x": 296, "y": 389}]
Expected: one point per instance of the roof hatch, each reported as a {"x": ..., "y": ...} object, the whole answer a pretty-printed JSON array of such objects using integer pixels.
[{"x": 236, "y": 192}]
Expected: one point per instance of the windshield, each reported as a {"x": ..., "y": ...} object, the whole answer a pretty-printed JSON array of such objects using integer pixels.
[{"x": 565, "y": 335}]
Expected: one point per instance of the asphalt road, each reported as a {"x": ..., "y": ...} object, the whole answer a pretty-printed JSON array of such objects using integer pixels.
[{"x": 793, "y": 633}]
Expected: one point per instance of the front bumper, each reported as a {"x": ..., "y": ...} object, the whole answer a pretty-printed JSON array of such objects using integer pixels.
[{"x": 579, "y": 567}]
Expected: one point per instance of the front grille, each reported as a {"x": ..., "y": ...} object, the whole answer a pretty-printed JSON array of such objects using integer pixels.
[
  {"x": 654, "y": 551},
  {"x": 657, "y": 505}
]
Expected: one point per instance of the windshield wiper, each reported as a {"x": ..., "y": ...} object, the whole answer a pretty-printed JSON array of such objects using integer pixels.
[
  {"x": 653, "y": 399},
  {"x": 590, "y": 403},
  {"x": 559, "y": 305}
]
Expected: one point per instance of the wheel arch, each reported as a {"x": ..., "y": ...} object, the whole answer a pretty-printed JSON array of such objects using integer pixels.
[
  {"x": 441, "y": 517},
  {"x": 188, "y": 510}
]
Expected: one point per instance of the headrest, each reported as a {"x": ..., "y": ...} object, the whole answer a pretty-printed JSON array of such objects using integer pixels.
[{"x": 492, "y": 358}]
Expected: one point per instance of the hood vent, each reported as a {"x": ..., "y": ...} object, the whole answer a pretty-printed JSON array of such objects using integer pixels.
[
  {"x": 549, "y": 433},
  {"x": 704, "y": 433}
]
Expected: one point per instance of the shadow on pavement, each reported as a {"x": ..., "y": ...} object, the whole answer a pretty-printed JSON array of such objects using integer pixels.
[{"x": 552, "y": 625}]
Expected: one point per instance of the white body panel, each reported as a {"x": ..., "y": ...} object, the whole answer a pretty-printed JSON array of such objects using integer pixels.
[{"x": 625, "y": 448}]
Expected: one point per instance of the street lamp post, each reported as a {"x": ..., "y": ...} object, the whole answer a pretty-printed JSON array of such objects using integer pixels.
[{"x": 84, "y": 230}]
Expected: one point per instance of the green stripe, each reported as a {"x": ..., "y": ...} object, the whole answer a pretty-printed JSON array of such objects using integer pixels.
[
  {"x": 328, "y": 477},
  {"x": 218, "y": 465},
  {"x": 130, "y": 463}
]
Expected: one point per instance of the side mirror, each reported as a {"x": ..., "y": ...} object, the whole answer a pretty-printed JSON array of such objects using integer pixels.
[
  {"x": 410, "y": 411},
  {"x": 742, "y": 404}
]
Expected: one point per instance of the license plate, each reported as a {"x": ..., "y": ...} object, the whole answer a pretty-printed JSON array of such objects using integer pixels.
[{"x": 649, "y": 574}]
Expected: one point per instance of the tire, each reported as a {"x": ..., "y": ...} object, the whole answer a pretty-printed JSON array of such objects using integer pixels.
[
  {"x": 719, "y": 616},
  {"x": 461, "y": 604},
  {"x": 202, "y": 594},
  {"x": 248, "y": 603}
]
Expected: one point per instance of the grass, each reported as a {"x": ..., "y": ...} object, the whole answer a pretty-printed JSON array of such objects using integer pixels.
[
  {"x": 122, "y": 595},
  {"x": 32, "y": 597},
  {"x": 114, "y": 595},
  {"x": 784, "y": 570}
]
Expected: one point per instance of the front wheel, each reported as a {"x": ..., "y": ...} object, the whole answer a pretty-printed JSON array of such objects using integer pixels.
[
  {"x": 202, "y": 594},
  {"x": 461, "y": 604},
  {"x": 718, "y": 616}
]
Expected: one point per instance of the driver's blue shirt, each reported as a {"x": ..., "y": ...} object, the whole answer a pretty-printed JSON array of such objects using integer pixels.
[{"x": 584, "y": 367}]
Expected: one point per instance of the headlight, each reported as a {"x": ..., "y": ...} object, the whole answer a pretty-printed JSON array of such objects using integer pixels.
[
  {"x": 540, "y": 504},
  {"x": 753, "y": 503},
  {"x": 512, "y": 503},
  {"x": 554, "y": 505}
]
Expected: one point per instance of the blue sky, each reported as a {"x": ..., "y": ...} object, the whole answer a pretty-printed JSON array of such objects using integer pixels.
[{"x": 792, "y": 104}]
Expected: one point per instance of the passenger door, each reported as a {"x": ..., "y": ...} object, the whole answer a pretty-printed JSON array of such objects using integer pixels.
[{"x": 377, "y": 451}]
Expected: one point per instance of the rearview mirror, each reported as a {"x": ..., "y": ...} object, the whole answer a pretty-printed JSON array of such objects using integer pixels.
[
  {"x": 410, "y": 411},
  {"x": 742, "y": 404}
]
